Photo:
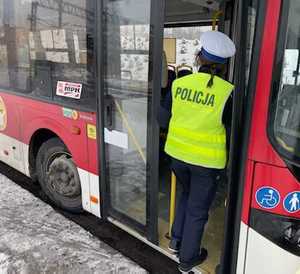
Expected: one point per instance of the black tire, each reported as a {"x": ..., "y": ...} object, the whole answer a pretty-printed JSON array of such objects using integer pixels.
[{"x": 57, "y": 174}]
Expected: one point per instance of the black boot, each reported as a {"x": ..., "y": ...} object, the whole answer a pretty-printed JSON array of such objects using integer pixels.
[{"x": 186, "y": 267}]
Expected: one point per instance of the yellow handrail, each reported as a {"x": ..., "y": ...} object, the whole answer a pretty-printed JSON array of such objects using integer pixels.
[
  {"x": 130, "y": 131},
  {"x": 215, "y": 18}
]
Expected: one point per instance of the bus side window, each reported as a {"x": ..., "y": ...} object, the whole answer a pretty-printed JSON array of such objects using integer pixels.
[
  {"x": 14, "y": 51},
  {"x": 284, "y": 123},
  {"x": 41, "y": 44}
]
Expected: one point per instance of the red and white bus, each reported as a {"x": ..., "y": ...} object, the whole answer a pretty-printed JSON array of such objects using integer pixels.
[{"x": 80, "y": 87}]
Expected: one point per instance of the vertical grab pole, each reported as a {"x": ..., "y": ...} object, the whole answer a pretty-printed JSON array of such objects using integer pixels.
[
  {"x": 216, "y": 15},
  {"x": 172, "y": 202}
]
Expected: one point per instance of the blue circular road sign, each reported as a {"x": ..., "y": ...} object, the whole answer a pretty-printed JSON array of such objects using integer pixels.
[
  {"x": 267, "y": 197},
  {"x": 291, "y": 202}
]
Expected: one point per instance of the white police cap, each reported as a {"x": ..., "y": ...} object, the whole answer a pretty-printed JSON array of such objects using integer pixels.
[{"x": 216, "y": 46}]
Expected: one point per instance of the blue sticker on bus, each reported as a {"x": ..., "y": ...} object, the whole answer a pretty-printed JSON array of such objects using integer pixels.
[
  {"x": 291, "y": 202},
  {"x": 267, "y": 197}
]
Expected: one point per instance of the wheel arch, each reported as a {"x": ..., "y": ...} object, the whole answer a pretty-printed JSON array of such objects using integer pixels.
[{"x": 39, "y": 137}]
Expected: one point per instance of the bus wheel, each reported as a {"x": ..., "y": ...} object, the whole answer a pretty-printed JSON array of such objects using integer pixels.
[{"x": 58, "y": 175}]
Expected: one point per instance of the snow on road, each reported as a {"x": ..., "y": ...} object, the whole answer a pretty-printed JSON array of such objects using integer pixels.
[{"x": 35, "y": 239}]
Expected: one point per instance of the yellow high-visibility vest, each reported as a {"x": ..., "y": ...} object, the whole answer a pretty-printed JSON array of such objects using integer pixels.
[{"x": 196, "y": 133}]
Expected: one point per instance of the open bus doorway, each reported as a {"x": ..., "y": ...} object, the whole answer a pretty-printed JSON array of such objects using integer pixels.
[
  {"x": 185, "y": 21},
  {"x": 135, "y": 176}
]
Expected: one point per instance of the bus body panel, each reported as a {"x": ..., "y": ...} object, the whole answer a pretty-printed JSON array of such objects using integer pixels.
[
  {"x": 265, "y": 257},
  {"x": 12, "y": 152},
  {"x": 265, "y": 168},
  {"x": 25, "y": 117},
  {"x": 281, "y": 180},
  {"x": 260, "y": 149},
  {"x": 11, "y": 148},
  {"x": 38, "y": 115}
]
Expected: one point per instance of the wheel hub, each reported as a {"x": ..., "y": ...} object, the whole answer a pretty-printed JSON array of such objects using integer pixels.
[{"x": 63, "y": 177}]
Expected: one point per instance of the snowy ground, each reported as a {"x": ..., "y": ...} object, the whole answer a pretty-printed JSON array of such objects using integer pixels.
[{"x": 35, "y": 239}]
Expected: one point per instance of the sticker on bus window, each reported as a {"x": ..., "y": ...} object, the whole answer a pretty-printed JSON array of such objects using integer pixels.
[
  {"x": 69, "y": 89},
  {"x": 116, "y": 138}
]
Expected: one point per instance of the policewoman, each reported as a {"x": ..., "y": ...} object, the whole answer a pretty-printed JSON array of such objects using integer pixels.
[{"x": 196, "y": 143}]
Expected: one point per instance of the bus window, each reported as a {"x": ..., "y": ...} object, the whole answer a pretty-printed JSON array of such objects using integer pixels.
[
  {"x": 284, "y": 123},
  {"x": 187, "y": 42},
  {"x": 42, "y": 43},
  {"x": 126, "y": 86},
  {"x": 13, "y": 50},
  {"x": 4, "y": 79}
]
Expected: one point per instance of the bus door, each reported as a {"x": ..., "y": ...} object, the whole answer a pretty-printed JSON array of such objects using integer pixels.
[
  {"x": 130, "y": 94},
  {"x": 185, "y": 21}
]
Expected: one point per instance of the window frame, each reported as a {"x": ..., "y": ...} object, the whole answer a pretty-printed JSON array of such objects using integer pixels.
[
  {"x": 283, "y": 23},
  {"x": 240, "y": 136}
]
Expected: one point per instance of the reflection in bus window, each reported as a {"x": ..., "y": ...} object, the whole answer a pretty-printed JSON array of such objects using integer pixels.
[
  {"x": 134, "y": 55},
  {"x": 252, "y": 15},
  {"x": 134, "y": 37},
  {"x": 43, "y": 42},
  {"x": 286, "y": 121},
  {"x": 290, "y": 63},
  {"x": 127, "y": 62},
  {"x": 126, "y": 53}
]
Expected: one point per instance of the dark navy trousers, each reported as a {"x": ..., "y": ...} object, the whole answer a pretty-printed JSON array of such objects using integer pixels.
[{"x": 199, "y": 188}]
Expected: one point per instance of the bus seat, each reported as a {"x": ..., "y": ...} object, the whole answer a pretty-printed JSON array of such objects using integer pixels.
[
  {"x": 183, "y": 70},
  {"x": 171, "y": 75}
]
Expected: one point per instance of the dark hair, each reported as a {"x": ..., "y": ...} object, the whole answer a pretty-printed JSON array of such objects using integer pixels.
[
  {"x": 212, "y": 68},
  {"x": 213, "y": 71}
]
